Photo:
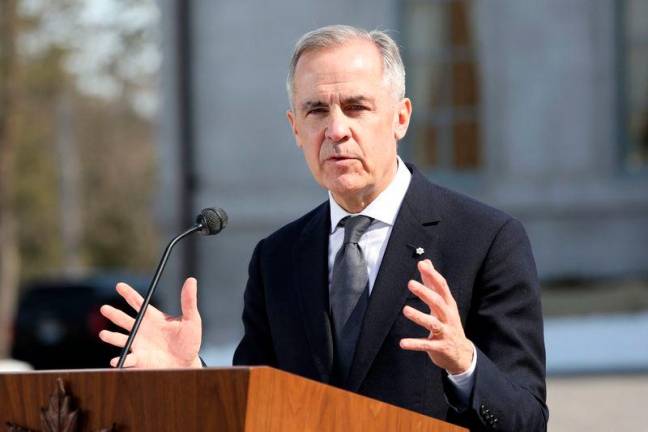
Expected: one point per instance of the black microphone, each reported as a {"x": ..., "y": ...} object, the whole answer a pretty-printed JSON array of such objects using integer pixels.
[{"x": 210, "y": 221}]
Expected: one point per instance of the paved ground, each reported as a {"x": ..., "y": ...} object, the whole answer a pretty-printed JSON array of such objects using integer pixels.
[{"x": 598, "y": 403}]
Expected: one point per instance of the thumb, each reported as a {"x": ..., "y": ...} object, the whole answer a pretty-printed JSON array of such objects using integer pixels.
[{"x": 189, "y": 300}]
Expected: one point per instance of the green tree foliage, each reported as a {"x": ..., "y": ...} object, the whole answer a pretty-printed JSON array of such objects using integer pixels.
[
  {"x": 118, "y": 176},
  {"x": 9, "y": 257},
  {"x": 37, "y": 192},
  {"x": 46, "y": 100},
  {"x": 113, "y": 142}
]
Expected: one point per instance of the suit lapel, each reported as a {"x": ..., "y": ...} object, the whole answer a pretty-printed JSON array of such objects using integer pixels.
[
  {"x": 311, "y": 283},
  {"x": 414, "y": 227}
]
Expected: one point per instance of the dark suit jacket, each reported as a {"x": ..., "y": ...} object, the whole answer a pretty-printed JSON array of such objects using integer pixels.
[{"x": 486, "y": 258}]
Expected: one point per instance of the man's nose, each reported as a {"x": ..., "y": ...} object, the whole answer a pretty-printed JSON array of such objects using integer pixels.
[{"x": 337, "y": 129}]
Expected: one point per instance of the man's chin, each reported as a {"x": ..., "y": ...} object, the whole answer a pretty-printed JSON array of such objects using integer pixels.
[
  {"x": 347, "y": 189},
  {"x": 347, "y": 184}
]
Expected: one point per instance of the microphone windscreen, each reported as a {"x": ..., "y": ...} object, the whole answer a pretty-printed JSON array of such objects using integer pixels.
[{"x": 213, "y": 220}]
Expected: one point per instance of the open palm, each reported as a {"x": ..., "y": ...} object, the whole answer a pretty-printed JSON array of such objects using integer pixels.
[{"x": 163, "y": 341}]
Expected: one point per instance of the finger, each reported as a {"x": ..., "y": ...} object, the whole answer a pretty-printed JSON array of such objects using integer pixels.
[
  {"x": 132, "y": 297},
  {"x": 430, "y": 297},
  {"x": 433, "y": 279},
  {"x": 426, "y": 321},
  {"x": 131, "y": 361},
  {"x": 117, "y": 317},
  {"x": 417, "y": 344},
  {"x": 189, "y": 300},
  {"x": 113, "y": 338}
]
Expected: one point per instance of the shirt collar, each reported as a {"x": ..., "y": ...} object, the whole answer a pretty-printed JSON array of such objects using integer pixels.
[{"x": 386, "y": 205}]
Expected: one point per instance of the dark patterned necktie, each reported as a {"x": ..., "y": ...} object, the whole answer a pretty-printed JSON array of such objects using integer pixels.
[{"x": 349, "y": 295}]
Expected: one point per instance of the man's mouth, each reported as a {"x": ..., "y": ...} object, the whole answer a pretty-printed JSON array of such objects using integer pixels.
[{"x": 340, "y": 158}]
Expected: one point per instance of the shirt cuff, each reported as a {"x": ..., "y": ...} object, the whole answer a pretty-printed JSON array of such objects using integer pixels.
[{"x": 465, "y": 381}]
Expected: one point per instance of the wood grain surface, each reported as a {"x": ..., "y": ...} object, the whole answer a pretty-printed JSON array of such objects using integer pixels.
[
  {"x": 233, "y": 399},
  {"x": 155, "y": 400},
  {"x": 279, "y": 401}
]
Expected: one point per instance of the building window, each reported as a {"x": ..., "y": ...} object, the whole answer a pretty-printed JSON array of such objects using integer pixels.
[
  {"x": 633, "y": 31},
  {"x": 440, "y": 53}
]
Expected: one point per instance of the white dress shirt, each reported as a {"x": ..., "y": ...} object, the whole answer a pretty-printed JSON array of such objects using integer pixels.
[{"x": 384, "y": 209}]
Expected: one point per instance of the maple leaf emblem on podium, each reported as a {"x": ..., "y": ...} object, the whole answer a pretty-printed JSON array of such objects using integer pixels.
[{"x": 59, "y": 415}]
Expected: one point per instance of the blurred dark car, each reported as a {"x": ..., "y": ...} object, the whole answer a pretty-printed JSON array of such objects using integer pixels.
[{"x": 58, "y": 321}]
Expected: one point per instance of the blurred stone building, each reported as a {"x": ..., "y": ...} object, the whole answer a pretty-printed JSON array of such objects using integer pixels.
[{"x": 538, "y": 108}]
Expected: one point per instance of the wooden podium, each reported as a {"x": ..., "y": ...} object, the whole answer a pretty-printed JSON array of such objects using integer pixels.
[{"x": 231, "y": 399}]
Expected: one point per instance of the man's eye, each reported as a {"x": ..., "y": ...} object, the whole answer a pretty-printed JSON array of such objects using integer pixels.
[
  {"x": 357, "y": 108},
  {"x": 316, "y": 111}
]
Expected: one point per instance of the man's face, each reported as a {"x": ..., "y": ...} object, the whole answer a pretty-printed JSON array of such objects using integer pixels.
[{"x": 347, "y": 120}]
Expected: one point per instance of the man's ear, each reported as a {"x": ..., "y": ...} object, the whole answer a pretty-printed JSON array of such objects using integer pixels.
[
  {"x": 293, "y": 126},
  {"x": 402, "y": 118}
]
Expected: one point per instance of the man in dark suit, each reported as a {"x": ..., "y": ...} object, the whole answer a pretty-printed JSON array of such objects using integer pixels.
[{"x": 394, "y": 288}]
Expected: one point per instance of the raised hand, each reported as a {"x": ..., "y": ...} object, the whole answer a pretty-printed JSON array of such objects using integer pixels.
[
  {"x": 446, "y": 344},
  {"x": 163, "y": 341}
]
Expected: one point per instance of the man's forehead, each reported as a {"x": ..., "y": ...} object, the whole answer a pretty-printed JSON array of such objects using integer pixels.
[
  {"x": 326, "y": 88},
  {"x": 340, "y": 62},
  {"x": 349, "y": 48},
  {"x": 342, "y": 72}
]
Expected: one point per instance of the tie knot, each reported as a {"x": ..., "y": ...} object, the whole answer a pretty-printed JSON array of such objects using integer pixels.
[{"x": 355, "y": 227}]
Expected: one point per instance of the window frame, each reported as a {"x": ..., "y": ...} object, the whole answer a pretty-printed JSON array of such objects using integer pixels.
[
  {"x": 625, "y": 143},
  {"x": 469, "y": 180}
]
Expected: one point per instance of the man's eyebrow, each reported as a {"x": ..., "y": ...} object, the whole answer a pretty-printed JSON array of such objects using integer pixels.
[
  {"x": 310, "y": 104},
  {"x": 351, "y": 100}
]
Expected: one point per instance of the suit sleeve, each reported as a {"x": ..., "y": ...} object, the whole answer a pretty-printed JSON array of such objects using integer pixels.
[
  {"x": 256, "y": 347},
  {"x": 505, "y": 324}
]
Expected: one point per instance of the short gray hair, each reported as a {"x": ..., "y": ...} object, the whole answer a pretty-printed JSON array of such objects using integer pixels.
[{"x": 336, "y": 35}]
